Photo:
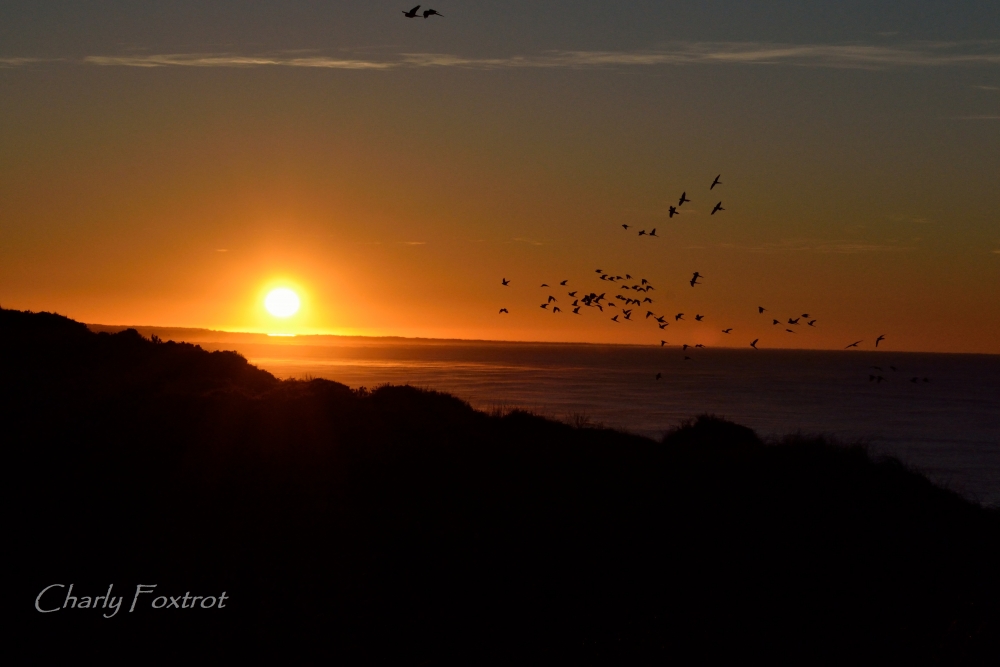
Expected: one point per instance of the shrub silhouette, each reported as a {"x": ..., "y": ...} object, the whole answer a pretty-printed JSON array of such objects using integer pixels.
[{"x": 401, "y": 526}]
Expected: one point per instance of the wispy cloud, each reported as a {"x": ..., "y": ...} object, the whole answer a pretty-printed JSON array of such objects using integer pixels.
[
  {"x": 975, "y": 118},
  {"x": 521, "y": 239},
  {"x": 987, "y": 87},
  {"x": 224, "y": 60},
  {"x": 855, "y": 56},
  {"x": 997, "y": 251},
  {"x": 20, "y": 62},
  {"x": 823, "y": 246},
  {"x": 414, "y": 242}
]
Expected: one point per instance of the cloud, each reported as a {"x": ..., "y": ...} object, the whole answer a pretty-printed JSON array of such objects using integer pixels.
[
  {"x": 414, "y": 242},
  {"x": 821, "y": 246},
  {"x": 987, "y": 87},
  {"x": 222, "y": 250},
  {"x": 7, "y": 63},
  {"x": 996, "y": 252},
  {"x": 521, "y": 239},
  {"x": 852, "y": 56},
  {"x": 975, "y": 118}
]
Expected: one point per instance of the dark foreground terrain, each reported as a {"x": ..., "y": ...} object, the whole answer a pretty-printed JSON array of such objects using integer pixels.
[{"x": 400, "y": 526}]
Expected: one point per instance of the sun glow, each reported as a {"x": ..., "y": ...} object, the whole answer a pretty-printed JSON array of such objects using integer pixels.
[{"x": 282, "y": 302}]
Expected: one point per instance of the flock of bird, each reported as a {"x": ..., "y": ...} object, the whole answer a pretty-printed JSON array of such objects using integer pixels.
[{"x": 628, "y": 307}]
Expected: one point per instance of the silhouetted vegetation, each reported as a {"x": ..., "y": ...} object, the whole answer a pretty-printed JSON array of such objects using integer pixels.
[{"x": 399, "y": 526}]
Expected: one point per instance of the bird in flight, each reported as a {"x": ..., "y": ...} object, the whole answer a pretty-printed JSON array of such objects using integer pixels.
[
  {"x": 805, "y": 315},
  {"x": 625, "y": 226},
  {"x": 683, "y": 199},
  {"x": 811, "y": 323},
  {"x": 694, "y": 279},
  {"x": 545, "y": 284},
  {"x": 699, "y": 318},
  {"x": 412, "y": 14},
  {"x": 431, "y": 12},
  {"x": 673, "y": 211},
  {"x": 754, "y": 343},
  {"x": 854, "y": 344},
  {"x": 576, "y": 311},
  {"x": 678, "y": 316},
  {"x": 760, "y": 310},
  {"x": 598, "y": 271},
  {"x": 614, "y": 319},
  {"x": 789, "y": 331},
  {"x": 504, "y": 282},
  {"x": 642, "y": 232},
  {"x": 653, "y": 233},
  {"x": 699, "y": 345},
  {"x": 685, "y": 346},
  {"x": 729, "y": 330},
  {"x": 545, "y": 305},
  {"x": 795, "y": 321},
  {"x": 662, "y": 343},
  {"x": 555, "y": 309},
  {"x": 880, "y": 338},
  {"x": 716, "y": 182},
  {"x": 663, "y": 325},
  {"x": 572, "y": 294},
  {"x": 718, "y": 207},
  {"x": 503, "y": 310},
  {"x": 552, "y": 298},
  {"x": 773, "y": 322},
  {"x": 564, "y": 282}
]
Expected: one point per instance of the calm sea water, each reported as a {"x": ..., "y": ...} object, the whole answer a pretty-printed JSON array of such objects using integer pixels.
[{"x": 948, "y": 428}]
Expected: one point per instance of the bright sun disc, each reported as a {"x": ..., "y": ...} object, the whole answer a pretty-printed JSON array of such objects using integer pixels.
[{"x": 282, "y": 302}]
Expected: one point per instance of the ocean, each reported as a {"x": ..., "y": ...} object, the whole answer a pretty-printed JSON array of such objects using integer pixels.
[{"x": 947, "y": 427}]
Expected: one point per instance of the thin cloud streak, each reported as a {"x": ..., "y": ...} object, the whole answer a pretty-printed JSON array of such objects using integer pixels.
[
  {"x": 936, "y": 54},
  {"x": 835, "y": 247}
]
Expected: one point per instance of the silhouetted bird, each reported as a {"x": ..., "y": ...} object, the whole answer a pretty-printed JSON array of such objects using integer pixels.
[
  {"x": 683, "y": 199},
  {"x": 805, "y": 315},
  {"x": 879, "y": 339},
  {"x": 625, "y": 226},
  {"x": 730, "y": 330},
  {"x": 699, "y": 345},
  {"x": 685, "y": 346},
  {"x": 673, "y": 211},
  {"x": 555, "y": 309},
  {"x": 773, "y": 322},
  {"x": 659, "y": 375},
  {"x": 614, "y": 319},
  {"x": 598, "y": 271},
  {"x": 718, "y": 207},
  {"x": 552, "y": 298},
  {"x": 754, "y": 343},
  {"x": 503, "y": 310},
  {"x": 811, "y": 323},
  {"x": 576, "y": 311},
  {"x": 678, "y": 316},
  {"x": 716, "y": 182},
  {"x": 653, "y": 233},
  {"x": 545, "y": 284},
  {"x": 564, "y": 282},
  {"x": 644, "y": 281},
  {"x": 412, "y": 13},
  {"x": 795, "y": 321},
  {"x": 432, "y": 12},
  {"x": 647, "y": 300},
  {"x": 662, "y": 343},
  {"x": 573, "y": 293},
  {"x": 663, "y": 325},
  {"x": 760, "y": 310},
  {"x": 789, "y": 331},
  {"x": 504, "y": 282},
  {"x": 854, "y": 344},
  {"x": 699, "y": 318},
  {"x": 545, "y": 305},
  {"x": 642, "y": 232},
  {"x": 694, "y": 279}
]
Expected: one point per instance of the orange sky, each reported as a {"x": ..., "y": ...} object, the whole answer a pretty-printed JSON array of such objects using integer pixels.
[{"x": 395, "y": 200}]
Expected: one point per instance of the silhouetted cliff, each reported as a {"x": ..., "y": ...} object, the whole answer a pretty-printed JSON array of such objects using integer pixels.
[{"x": 399, "y": 526}]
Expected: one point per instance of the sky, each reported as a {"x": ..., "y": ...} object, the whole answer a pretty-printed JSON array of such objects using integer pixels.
[{"x": 167, "y": 163}]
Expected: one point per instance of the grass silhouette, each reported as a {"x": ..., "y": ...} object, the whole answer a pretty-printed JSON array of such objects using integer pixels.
[{"x": 400, "y": 526}]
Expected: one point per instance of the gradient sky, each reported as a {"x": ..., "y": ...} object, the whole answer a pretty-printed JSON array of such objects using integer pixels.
[{"x": 165, "y": 163}]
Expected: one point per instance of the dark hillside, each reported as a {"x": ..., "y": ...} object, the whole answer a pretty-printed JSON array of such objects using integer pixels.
[{"x": 400, "y": 526}]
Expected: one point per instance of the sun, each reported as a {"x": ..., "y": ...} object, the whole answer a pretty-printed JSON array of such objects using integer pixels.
[{"x": 282, "y": 302}]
